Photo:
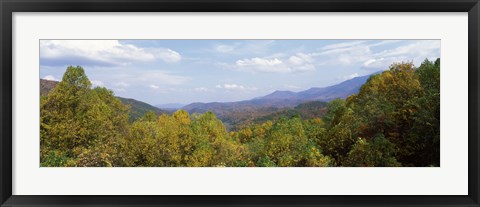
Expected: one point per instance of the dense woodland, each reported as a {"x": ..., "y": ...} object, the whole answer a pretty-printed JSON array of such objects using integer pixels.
[{"x": 393, "y": 121}]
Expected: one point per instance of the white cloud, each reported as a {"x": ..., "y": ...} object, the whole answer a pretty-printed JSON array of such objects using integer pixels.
[
  {"x": 50, "y": 77},
  {"x": 360, "y": 53},
  {"x": 139, "y": 79},
  {"x": 262, "y": 65},
  {"x": 342, "y": 45},
  {"x": 259, "y": 62},
  {"x": 344, "y": 55},
  {"x": 96, "y": 83},
  {"x": 371, "y": 61},
  {"x": 154, "y": 86},
  {"x": 119, "y": 89},
  {"x": 298, "y": 63},
  {"x": 167, "y": 55},
  {"x": 347, "y": 54},
  {"x": 223, "y": 48},
  {"x": 246, "y": 47},
  {"x": 292, "y": 87},
  {"x": 351, "y": 54},
  {"x": 420, "y": 48},
  {"x": 348, "y": 77},
  {"x": 385, "y": 62},
  {"x": 384, "y": 42},
  {"x": 233, "y": 86},
  {"x": 296, "y": 60},
  {"x": 305, "y": 57},
  {"x": 100, "y": 53},
  {"x": 157, "y": 77},
  {"x": 415, "y": 52},
  {"x": 201, "y": 89}
]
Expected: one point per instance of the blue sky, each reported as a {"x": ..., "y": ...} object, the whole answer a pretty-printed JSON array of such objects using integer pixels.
[{"x": 186, "y": 71}]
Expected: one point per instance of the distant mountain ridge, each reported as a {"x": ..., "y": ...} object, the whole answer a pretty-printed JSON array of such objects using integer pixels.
[
  {"x": 341, "y": 90},
  {"x": 138, "y": 108},
  {"x": 282, "y": 99},
  {"x": 169, "y": 106},
  {"x": 278, "y": 95},
  {"x": 274, "y": 105}
]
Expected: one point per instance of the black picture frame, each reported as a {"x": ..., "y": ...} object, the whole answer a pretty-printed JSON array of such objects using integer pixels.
[{"x": 7, "y": 7}]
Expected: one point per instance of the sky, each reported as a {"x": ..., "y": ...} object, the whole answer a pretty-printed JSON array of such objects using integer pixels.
[{"x": 187, "y": 71}]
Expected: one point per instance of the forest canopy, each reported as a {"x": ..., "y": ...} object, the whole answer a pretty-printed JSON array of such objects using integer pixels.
[{"x": 393, "y": 121}]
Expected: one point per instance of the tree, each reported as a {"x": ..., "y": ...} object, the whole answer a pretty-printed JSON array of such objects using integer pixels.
[
  {"x": 77, "y": 121},
  {"x": 394, "y": 120},
  {"x": 378, "y": 152},
  {"x": 286, "y": 144},
  {"x": 149, "y": 116},
  {"x": 216, "y": 147},
  {"x": 340, "y": 134},
  {"x": 59, "y": 129},
  {"x": 384, "y": 105},
  {"x": 106, "y": 120},
  {"x": 426, "y": 126},
  {"x": 139, "y": 148}
]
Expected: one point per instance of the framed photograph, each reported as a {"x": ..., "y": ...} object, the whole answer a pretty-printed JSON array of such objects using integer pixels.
[{"x": 237, "y": 103}]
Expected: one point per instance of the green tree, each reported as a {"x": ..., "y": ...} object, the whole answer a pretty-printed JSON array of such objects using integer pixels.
[
  {"x": 149, "y": 116},
  {"x": 385, "y": 105},
  {"x": 78, "y": 122},
  {"x": 341, "y": 131},
  {"x": 394, "y": 120},
  {"x": 287, "y": 144},
  {"x": 425, "y": 131},
  {"x": 378, "y": 152},
  {"x": 217, "y": 148}
]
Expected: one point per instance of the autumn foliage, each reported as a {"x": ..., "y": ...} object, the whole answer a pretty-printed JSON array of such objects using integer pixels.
[{"x": 393, "y": 121}]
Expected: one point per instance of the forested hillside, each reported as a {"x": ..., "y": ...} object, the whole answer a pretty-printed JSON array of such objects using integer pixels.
[
  {"x": 137, "y": 108},
  {"x": 393, "y": 121}
]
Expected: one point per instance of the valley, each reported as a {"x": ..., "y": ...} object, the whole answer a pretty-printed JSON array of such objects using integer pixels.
[{"x": 304, "y": 104}]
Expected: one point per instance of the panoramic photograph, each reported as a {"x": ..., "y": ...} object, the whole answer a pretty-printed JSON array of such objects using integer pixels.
[{"x": 239, "y": 103}]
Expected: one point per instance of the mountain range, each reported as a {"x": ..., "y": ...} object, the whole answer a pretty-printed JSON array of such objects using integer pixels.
[
  {"x": 282, "y": 99},
  {"x": 170, "y": 106},
  {"x": 279, "y": 103},
  {"x": 234, "y": 114}
]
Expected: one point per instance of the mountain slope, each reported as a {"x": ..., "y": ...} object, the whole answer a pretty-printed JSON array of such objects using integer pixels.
[
  {"x": 306, "y": 104},
  {"x": 284, "y": 99},
  {"x": 307, "y": 110},
  {"x": 137, "y": 108},
  {"x": 278, "y": 95},
  {"x": 46, "y": 86},
  {"x": 341, "y": 90},
  {"x": 170, "y": 106}
]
